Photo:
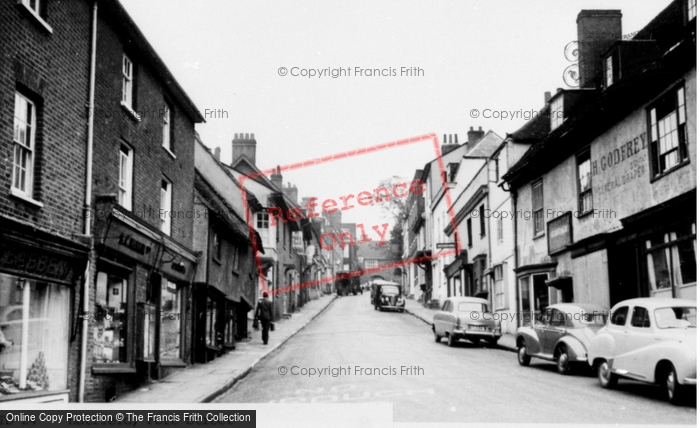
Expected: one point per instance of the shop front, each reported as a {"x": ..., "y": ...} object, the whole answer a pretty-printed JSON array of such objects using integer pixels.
[
  {"x": 39, "y": 282},
  {"x": 141, "y": 304}
]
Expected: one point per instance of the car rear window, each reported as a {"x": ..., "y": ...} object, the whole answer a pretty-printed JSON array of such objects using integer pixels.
[
  {"x": 594, "y": 318},
  {"x": 471, "y": 307},
  {"x": 676, "y": 317},
  {"x": 390, "y": 290}
]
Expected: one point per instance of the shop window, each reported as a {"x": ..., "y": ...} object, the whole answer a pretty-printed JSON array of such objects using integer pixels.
[
  {"x": 212, "y": 339},
  {"x": 667, "y": 125},
  {"x": 498, "y": 286},
  {"x": 149, "y": 332},
  {"x": 34, "y": 329},
  {"x": 170, "y": 320},
  {"x": 671, "y": 259},
  {"x": 538, "y": 208},
  {"x": 111, "y": 313},
  {"x": 534, "y": 295},
  {"x": 585, "y": 187},
  {"x": 24, "y": 138}
]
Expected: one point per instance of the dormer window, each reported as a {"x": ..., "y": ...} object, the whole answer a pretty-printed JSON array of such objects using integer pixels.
[
  {"x": 452, "y": 171},
  {"x": 608, "y": 71},
  {"x": 692, "y": 9},
  {"x": 556, "y": 112}
]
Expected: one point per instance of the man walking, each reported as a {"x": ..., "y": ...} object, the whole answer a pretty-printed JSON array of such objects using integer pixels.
[{"x": 263, "y": 313}]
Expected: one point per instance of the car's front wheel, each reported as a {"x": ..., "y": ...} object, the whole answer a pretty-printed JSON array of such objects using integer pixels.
[
  {"x": 673, "y": 388},
  {"x": 523, "y": 358},
  {"x": 606, "y": 377},
  {"x": 563, "y": 365}
]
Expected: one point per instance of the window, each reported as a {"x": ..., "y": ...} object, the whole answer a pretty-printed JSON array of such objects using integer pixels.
[
  {"x": 212, "y": 337},
  {"x": 498, "y": 287},
  {"x": 676, "y": 317},
  {"x": 170, "y": 317},
  {"x": 167, "y": 139},
  {"x": 369, "y": 264},
  {"x": 217, "y": 246},
  {"x": 538, "y": 208},
  {"x": 482, "y": 221},
  {"x": 262, "y": 221},
  {"x": 34, "y": 336},
  {"x": 640, "y": 317},
  {"x": 558, "y": 319},
  {"x": 37, "y": 10},
  {"x": 608, "y": 71},
  {"x": 111, "y": 317},
  {"x": 34, "y": 5},
  {"x": 534, "y": 296},
  {"x": 236, "y": 263},
  {"x": 692, "y": 9},
  {"x": 619, "y": 317},
  {"x": 126, "y": 173},
  {"x": 166, "y": 204},
  {"x": 585, "y": 187},
  {"x": 671, "y": 259},
  {"x": 469, "y": 232},
  {"x": 24, "y": 141},
  {"x": 149, "y": 331},
  {"x": 668, "y": 140},
  {"x": 127, "y": 82},
  {"x": 499, "y": 229},
  {"x": 556, "y": 112}
]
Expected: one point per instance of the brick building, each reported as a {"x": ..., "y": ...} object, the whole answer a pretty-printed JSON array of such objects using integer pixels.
[
  {"x": 44, "y": 80},
  {"x": 143, "y": 179}
]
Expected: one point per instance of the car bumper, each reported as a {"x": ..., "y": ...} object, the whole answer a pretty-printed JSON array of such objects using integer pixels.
[
  {"x": 477, "y": 333},
  {"x": 393, "y": 308}
]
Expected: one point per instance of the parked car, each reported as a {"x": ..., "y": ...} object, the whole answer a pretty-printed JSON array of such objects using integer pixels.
[
  {"x": 649, "y": 339},
  {"x": 466, "y": 318},
  {"x": 386, "y": 295},
  {"x": 562, "y": 334}
]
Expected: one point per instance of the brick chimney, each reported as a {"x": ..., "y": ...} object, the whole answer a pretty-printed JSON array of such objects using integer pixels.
[
  {"x": 276, "y": 179},
  {"x": 597, "y": 30},
  {"x": 473, "y": 137},
  {"x": 243, "y": 145},
  {"x": 291, "y": 192},
  {"x": 217, "y": 153},
  {"x": 547, "y": 96},
  {"x": 448, "y": 144}
]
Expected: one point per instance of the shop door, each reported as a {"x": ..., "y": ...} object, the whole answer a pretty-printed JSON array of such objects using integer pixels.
[{"x": 624, "y": 272}]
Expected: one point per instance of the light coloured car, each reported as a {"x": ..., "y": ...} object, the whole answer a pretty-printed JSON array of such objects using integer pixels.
[
  {"x": 466, "y": 318},
  {"x": 652, "y": 340},
  {"x": 562, "y": 334}
]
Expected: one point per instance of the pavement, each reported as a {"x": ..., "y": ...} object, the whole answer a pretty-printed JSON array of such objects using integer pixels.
[
  {"x": 202, "y": 383},
  {"x": 415, "y": 308}
]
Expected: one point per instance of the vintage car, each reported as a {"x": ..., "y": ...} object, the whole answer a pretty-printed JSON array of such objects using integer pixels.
[
  {"x": 561, "y": 334},
  {"x": 466, "y": 318},
  {"x": 648, "y": 339},
  {"x": 386, "y": 295}
]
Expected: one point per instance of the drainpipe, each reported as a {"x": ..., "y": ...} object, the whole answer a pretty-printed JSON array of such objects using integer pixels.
[{"x": 88, "y": 204}]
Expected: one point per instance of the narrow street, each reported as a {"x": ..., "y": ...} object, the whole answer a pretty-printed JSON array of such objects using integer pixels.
[{"x": 462, "y": 384}]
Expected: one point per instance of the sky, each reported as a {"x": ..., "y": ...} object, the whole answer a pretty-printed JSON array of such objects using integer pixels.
[{"x": 458, "y": 56}]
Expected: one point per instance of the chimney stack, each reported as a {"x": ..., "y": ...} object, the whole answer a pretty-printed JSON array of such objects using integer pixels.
[
  {"x": 276, "y": 179},
  {"x": 473, "y": 137},
  {"x": 597, "y": 30},
  {"x": 243, "y": 145},
  {"x": 448, "y": 146},
  {"x": 217, "y": 153},
  {"x": 291, "y": 192},
  {"x": 547, "y": 96}
]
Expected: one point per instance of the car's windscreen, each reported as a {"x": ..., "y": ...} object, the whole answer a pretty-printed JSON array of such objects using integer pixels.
[
  {"x": 472, "y": 307},
  {"x": 676, "y": 317},
  {"x": 390, "y": 290},
  {"x": 594, "y": 318}
]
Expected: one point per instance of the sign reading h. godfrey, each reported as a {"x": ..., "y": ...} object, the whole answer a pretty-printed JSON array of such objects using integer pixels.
[{"x": 609, "y": 164}]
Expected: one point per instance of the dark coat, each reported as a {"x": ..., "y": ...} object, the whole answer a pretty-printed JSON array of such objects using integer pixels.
[{"x": 264, "y": 310}]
